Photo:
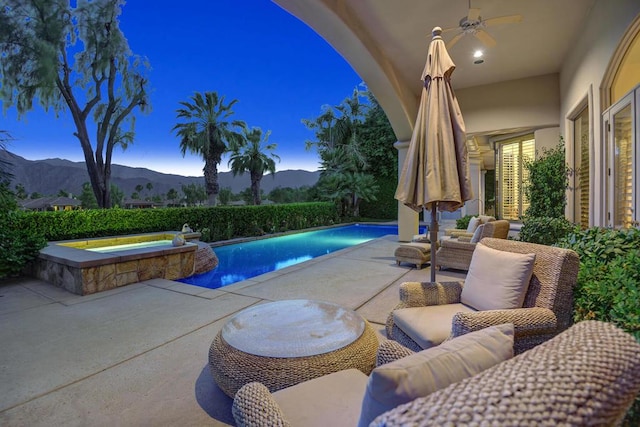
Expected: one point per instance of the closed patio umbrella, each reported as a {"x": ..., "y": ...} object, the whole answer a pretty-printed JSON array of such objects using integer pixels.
[{"x": 435, "y": 174}]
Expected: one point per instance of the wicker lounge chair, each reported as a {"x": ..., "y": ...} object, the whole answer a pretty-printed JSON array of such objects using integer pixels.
[
  {"x": 468, "y": 232},
  {"x": 457, "y": 253},
  {"x": 435, "y": 308},
  {"x": 588, "y": 375}
]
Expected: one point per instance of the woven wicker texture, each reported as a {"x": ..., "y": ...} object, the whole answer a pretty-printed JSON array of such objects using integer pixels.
[
  {"x": 232, "y": 368},
  {"x": 390, "y": 351},
  {"x": 546, "y": 310},
  {"x": 589, "y": 375},
  {"x": 255, "y": 406}
]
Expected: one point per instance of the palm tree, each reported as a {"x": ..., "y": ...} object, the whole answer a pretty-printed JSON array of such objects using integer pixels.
[
  {"x": 207, "y": 131},
  {"x": 255, "y": 156}
]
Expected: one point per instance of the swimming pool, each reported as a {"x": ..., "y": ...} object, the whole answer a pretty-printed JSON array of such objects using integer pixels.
[{"x": 243, "y": 261}]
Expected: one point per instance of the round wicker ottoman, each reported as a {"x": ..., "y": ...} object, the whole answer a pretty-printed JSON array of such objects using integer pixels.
[{"x": 283, "y": 343}]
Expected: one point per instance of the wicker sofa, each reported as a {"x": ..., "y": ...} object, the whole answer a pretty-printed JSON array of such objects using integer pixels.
[{"x": 588, "y": 375}]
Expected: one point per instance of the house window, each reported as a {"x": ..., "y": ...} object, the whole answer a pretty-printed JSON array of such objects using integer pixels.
[
  {"x": 512, "y": 176},
  {"x": 581, "y": 168},
  {"x": 621, "y": 136}
]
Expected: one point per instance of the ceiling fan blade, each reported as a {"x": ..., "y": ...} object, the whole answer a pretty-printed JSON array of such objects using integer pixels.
[
  {"x": 446, "y": 30},
  {"x": 485, "y": 38},
  {"x": 511, "y": 19},
  {"x": 454, "y": 40},
  {"x": 474, "y": 14}
]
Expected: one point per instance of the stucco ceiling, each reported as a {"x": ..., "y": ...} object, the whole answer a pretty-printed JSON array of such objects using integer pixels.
[{"x": 386, "y": 41}]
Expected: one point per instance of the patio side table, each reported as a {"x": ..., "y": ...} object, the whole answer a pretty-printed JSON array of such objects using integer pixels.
[{"x": 283, "y": 343}]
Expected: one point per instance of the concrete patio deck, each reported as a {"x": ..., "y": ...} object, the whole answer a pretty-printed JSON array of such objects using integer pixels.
[{"x": 137, "y": 355}]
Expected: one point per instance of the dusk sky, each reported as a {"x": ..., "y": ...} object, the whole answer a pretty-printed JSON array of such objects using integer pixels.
[{"x": 278, "y": 69}]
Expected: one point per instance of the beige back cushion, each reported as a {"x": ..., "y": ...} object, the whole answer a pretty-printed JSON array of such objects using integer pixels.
[
  {"x": 497, "y": 279},
  {"x": 422, "y": 373},
  {"x": 473, "y": 224},
  {"x": 477, "y": 235}
]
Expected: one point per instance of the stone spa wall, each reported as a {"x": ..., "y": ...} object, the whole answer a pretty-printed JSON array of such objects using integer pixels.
[{"x": 85, "y": 272}]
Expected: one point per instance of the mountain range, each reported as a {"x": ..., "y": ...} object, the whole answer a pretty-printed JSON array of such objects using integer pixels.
[{"x": 47, "y": 177}]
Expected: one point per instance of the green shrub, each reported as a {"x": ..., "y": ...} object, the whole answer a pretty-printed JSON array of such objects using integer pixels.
[
  {"x": 215, "y": 223},
  {"x": 463, "y": 223},
  {"x": 18, "y": 246},
  {"x": 545, "y": 230},
  {"x": 608, "y": 286},
  {"x": 547, "y": 184}
]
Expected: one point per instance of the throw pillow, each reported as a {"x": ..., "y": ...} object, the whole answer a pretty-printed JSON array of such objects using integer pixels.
[
  {"x": 427, "y": 371},
  {"x": 477, "y": 234},
  {"x": 497, "y": 279},
  {"x": 473, "y": 224}
]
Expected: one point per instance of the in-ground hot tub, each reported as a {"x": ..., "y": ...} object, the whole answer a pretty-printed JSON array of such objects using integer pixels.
[{"x": 94, "y": 265}]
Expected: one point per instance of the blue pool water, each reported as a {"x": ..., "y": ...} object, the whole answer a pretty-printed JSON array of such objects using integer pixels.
[{"x": 242, "y": 261}]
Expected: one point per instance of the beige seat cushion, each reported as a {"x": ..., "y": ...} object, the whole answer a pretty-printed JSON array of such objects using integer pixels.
[
  {"x": 425, "y": 372},
  {"x": 497, "y": 279},
  {"x": 428, "y": 326},
  {"x": 425, "y": 248},
  {"x": 330, "y": 400}
]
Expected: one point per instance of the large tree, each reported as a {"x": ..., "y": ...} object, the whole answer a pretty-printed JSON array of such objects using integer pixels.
[
  {"x": 5, "y": 166},
  {"x": 255, "y": 155},
  {"x": 74, "y": 58},
  {"x": 208, "y": 131},
  {"x": 344, "y": 175}
]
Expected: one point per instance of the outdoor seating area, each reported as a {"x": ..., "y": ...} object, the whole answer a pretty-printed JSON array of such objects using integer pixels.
[
  {"x": 175, "y": 359},
  {"x": 523, "y": 118}
]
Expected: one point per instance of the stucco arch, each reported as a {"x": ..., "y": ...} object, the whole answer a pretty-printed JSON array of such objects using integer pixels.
[{"x": 630, "y": 37}]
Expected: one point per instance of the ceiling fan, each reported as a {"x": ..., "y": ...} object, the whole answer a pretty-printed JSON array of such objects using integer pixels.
[{"x": 473, "y": 24}]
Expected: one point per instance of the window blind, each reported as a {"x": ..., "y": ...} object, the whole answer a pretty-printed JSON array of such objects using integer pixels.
[
  {"x": 623, "y": 169},
  {"x": 513, "y": 175}
]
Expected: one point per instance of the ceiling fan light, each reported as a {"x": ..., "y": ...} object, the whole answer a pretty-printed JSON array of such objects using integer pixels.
[{"x": 478, "y": 54}]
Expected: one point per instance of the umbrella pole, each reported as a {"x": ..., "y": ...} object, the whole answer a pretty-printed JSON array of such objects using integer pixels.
[{"x": 433, "y": 236}]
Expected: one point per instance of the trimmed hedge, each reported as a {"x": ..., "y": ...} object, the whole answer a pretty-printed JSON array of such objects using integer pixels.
[{"x": 215, "y": 223}]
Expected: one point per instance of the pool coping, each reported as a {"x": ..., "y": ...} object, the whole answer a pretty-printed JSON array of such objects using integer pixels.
[{"x": 289, "y": 232}]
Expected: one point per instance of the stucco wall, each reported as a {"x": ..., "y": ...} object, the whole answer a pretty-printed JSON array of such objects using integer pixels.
[
  {"x": 546, "y": 139},
  {"x": 581, "y": 77},
  {"x": 524, "y": 103}
]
